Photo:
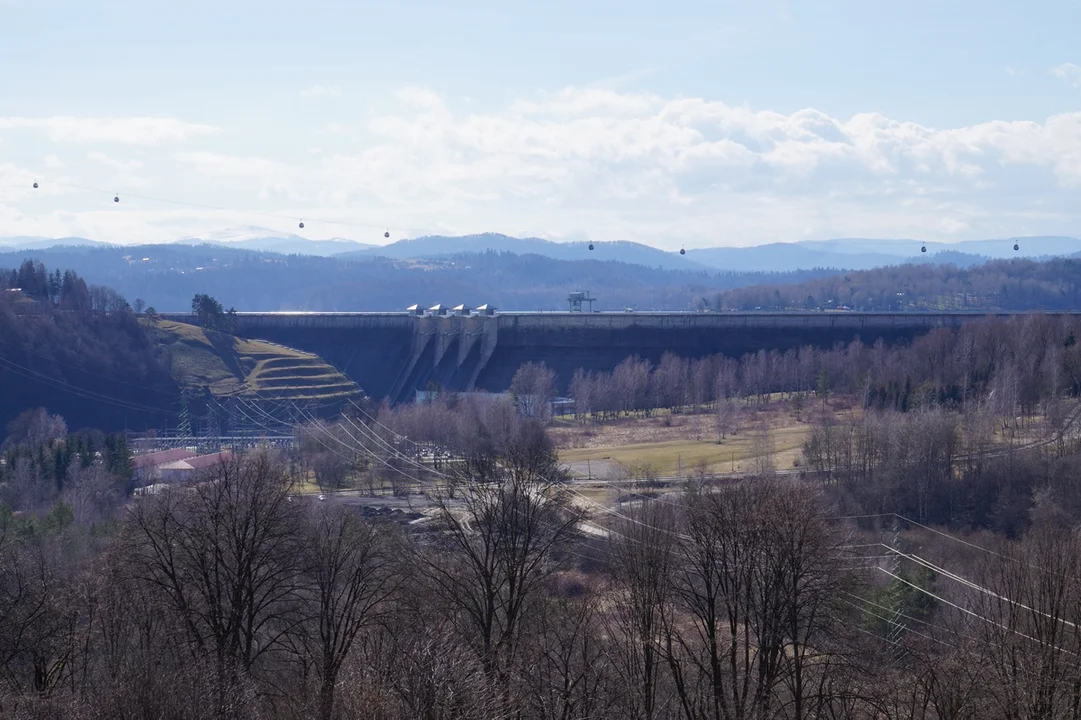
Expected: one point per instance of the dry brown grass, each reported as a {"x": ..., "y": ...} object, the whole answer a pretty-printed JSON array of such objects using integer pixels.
[
  {"x": 667, "y": 444},
  {"x": 230, "y": 365}
]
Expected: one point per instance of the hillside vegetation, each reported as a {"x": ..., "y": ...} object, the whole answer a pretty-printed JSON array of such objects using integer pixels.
[
  {"x": 167, "y": 276},
  {"x": 1003, "y": 285},
  {"x": 229, "y": 366},
  {"x": 82, "y": 352}
]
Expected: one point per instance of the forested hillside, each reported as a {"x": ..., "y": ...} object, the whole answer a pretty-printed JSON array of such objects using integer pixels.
[
  {"x": 1010, "y": 285},
  {"x": 167, "y": 276},
  {"x": 81, "y": 351}
]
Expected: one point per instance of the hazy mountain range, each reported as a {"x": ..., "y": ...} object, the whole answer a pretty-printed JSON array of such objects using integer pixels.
[
  {"x": 166, "y": 276},
  {"x": 842, "y": 253},
  {"x": 473, "y": 270}
]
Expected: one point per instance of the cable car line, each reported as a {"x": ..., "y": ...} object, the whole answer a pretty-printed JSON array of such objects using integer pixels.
[
  {"x": 220, "y": 208},
  {"x": 299, "y": 220}
]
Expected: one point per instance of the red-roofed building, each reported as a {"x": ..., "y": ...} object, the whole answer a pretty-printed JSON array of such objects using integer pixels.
[
  {"x": 183, "y": 470},
  {"x": 162, "y": 457},
  {"x": 148, "y": 467}
]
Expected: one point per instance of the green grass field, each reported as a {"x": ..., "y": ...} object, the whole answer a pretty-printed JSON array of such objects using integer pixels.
[{"x": 666, "y": 457}]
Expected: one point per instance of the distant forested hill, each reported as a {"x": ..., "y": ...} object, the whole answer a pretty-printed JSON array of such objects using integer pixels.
[
  {"x": 78, "y": 350},
  {"x": 167, "y": 276},
  {"x": 1003, "y": 285}
]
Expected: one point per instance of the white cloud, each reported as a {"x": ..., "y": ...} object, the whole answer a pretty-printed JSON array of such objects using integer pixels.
[
  {"x": 1069, "y": 72},
  {"x": 623, "y": 80},
  {"x": 268, "y": 175},
  {"x": 595, "y": 101},
  {"x": 322, "y": 91},
  {"x": 122, "y": 165},
  {"x": 419, "y": 97},
  {"x": 952, "y": 227},
  {"x": 120, "y": 131},
  {"x": 632, "y": 165},
  {"x": 16, "y": 184},
  {"x": 229, "y": 165},
  {"x": 640, "y": 166},
  {"x": 581, "y": 132}
]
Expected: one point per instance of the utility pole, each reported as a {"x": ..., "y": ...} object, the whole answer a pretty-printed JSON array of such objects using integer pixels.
[
  {"x": 184, "y": 428},
  {"x": 896, "y": 628}
]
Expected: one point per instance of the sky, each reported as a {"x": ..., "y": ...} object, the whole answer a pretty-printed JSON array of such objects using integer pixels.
[{"x": 696, "y": 124}]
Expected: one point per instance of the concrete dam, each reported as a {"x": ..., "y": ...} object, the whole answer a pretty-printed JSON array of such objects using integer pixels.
[{"x": 392, "y": 355}]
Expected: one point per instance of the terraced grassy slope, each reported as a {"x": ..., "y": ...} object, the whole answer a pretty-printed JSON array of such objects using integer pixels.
[
  {"x": 230, "y": 366},
  {"x": 298, "y": 375}
]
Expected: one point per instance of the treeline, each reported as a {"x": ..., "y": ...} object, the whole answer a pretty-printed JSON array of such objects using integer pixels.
[
  {"x": 949, "y": 468},
  {"x": 41, "y": 463},
  {"x": 167, "y": 276},
  {"x": 1003, "y": 285},
  {"x": 1007, "y": 363},
  {"x": 210, "y": 314},
  {"x": 80, "y": 350},
  {"x": 944, "y": 428},
  {"x": 233, "y": 597},
  {"x": 989, "y": 463},
  {"x": 65, "y": 289}
]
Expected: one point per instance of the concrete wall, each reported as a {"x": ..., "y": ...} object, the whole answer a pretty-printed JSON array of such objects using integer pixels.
[{"x": 392, "y": 355}]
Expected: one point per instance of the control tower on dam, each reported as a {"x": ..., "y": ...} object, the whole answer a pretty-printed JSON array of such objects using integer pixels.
[{"x": 392, "y": 355}]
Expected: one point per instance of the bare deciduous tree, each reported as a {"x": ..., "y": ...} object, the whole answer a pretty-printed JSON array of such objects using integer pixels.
[
  {"x": 748, "y": 635},
  {"x": 349, "y": 580},
  {"x": 569, "y": 676},
  {"x": 223, "y": 555},
  {"x": 533, "y": 388},
  {"x": 500, "y": 542},
  {"x": 1032, "y": 612},
  {"x": 642, "y": 547}
]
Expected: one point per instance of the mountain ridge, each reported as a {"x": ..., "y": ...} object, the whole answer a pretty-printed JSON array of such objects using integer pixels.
[{"x": 846, "y": 253}]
